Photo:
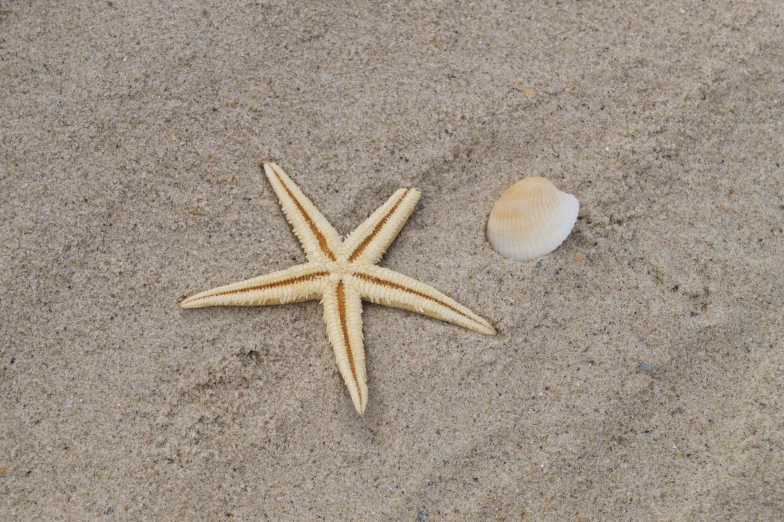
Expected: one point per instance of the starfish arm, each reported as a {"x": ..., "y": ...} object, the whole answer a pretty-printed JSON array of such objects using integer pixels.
[
  {"x": 386, "y": 287},
  {"x": 298, "y": 283},
  {"x": 368, "y": 242},
  {"x": 319, "y": 239},
  {"x": 343, "y": 315}
]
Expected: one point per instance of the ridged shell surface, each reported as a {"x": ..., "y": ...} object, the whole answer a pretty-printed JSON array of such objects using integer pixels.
[{"x": 531, "y": 219}]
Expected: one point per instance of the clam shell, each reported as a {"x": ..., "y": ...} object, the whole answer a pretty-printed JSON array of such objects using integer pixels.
[{"x": 531, "y": 219}]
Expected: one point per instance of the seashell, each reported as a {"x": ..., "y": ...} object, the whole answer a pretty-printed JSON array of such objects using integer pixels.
[{"x": 531, "y": 219}]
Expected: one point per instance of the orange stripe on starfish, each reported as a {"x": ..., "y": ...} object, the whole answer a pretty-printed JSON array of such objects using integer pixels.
[
  {"x": 390, "y": 284},
  {"x": 341, "y": 296},
  {"x": 365, "y": 242},
  {"x": 285, "y": 282},
  {"x": 309, "y": 220}
]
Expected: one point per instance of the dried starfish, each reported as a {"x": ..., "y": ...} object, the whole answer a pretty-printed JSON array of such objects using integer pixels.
[{"x": 341, "y": 274}]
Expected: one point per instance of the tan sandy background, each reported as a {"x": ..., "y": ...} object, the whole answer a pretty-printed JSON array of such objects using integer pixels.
[{"x": 638, "y": 370}]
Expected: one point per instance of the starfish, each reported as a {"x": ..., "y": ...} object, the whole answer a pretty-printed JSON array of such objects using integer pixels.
[{"x": 342, "y": 273}]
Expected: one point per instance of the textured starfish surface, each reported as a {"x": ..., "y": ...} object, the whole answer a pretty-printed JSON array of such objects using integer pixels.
[{"x": 342, "y": 273}]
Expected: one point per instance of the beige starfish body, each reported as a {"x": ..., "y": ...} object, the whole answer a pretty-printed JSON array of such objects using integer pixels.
[{"x": 342, "y": 274}]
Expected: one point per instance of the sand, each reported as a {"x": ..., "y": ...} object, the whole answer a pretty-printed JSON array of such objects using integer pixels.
[{"x": 638, "y": 370}]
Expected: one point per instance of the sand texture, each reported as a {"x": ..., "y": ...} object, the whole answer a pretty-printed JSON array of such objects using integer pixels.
[{"x": 638, "y": 370}]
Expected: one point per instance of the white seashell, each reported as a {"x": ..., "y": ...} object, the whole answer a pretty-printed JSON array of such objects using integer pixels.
[{"x": 531, "y": 219}]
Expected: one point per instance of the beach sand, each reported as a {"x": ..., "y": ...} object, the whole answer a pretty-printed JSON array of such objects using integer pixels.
[{"x": 638, "y": 370}]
